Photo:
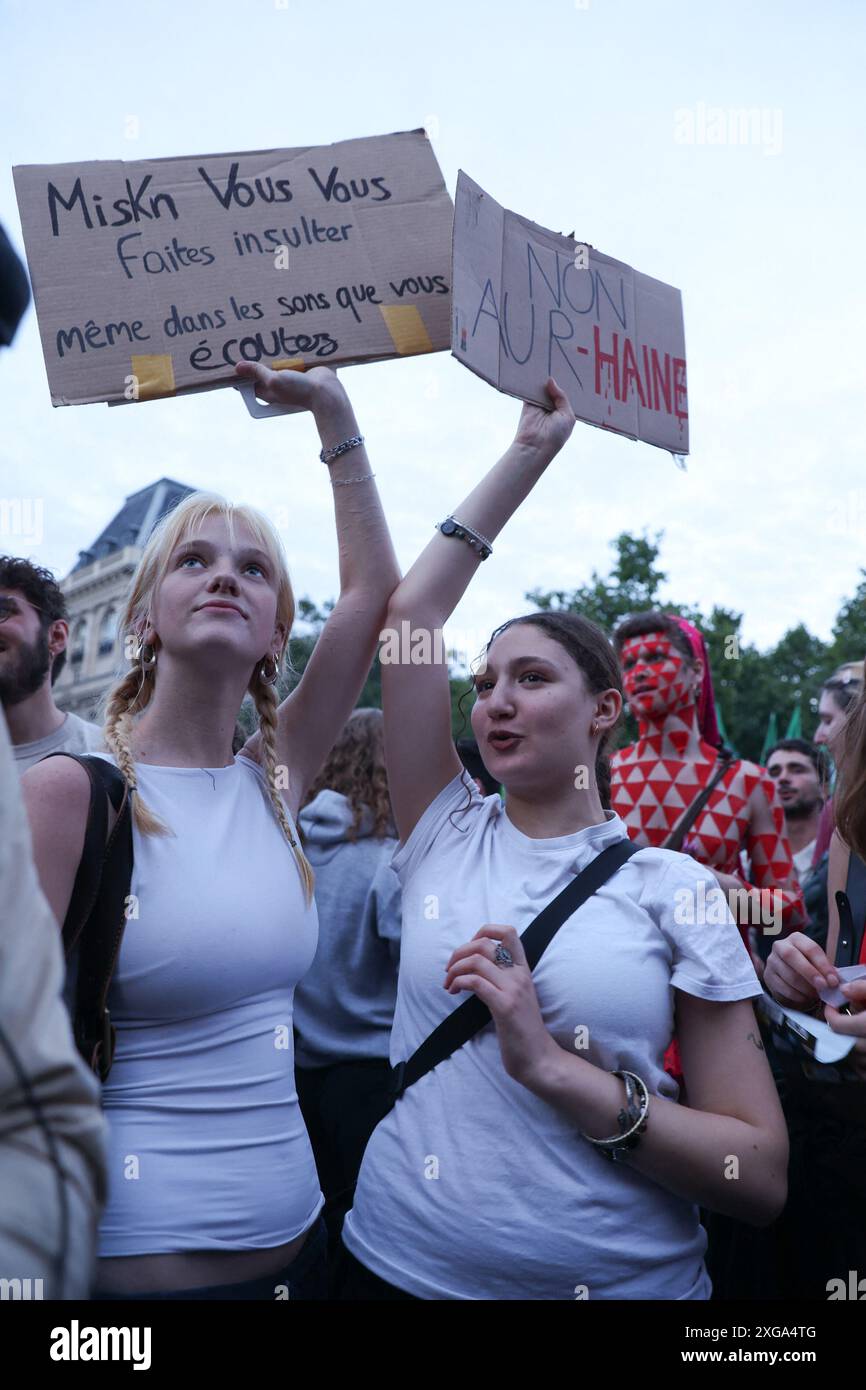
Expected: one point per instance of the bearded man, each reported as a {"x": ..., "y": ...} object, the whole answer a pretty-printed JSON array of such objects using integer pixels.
[{"x": 33, "y": 634}]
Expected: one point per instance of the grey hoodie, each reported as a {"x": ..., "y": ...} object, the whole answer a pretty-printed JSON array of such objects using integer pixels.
[{"x": 344, "y": 1006}]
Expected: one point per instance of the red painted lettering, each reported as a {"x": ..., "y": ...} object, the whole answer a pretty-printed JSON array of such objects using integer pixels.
[
  {"x": 606, "y": 359},
  {"x": 680, "y": 389},
  {"x": 630, "y": 371},
  {"x": 664, "y": 380}
]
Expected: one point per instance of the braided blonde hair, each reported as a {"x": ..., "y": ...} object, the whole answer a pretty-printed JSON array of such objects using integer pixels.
[{"x": 133, "y": 691}]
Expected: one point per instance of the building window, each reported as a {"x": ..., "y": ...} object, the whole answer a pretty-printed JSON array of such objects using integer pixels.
[
  {"x": 107, "y": 631},
  {"x": 79, "y": 641}
]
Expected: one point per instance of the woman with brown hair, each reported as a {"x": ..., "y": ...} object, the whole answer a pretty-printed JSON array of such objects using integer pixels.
[
  {"x": 838, "y": 694},
  {"x": 546, "y": 1157},
  {"x": 823, "y": 1235},
  {"x": 834, "y": 704},
  {"x": 213, "y": 1190},
  {"x": 344, "y": 1006},
  {"x": 799, "y": 967}
]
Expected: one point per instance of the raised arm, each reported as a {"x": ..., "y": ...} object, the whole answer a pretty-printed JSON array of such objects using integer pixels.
[
  {"x": 310, "y": 719},
  {"x": 419, "y": 750}
]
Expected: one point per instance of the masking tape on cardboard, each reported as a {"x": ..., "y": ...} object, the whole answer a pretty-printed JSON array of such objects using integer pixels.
[
  {"x": 154, "y": 374},
  {"x": 284, "y": 364},
  {"x": 406, "y": 327}
]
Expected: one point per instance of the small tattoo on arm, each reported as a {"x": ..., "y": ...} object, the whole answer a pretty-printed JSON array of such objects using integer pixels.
[{"x": 757, "y": 1041}]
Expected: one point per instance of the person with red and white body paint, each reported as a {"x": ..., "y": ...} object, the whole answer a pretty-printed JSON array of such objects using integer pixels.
[{"x": 667, "y": 682}]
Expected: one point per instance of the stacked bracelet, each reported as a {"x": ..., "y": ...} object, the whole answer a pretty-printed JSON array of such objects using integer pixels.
[
  {"x": 632, "y": 1121},
  {"x": 452, "y": 527},
  {"x": 327, "y": 454}
]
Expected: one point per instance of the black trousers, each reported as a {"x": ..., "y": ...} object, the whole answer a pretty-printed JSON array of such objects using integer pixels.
[
  {"x": 304, "y": 1279},
  {"x": 355, "y": 1283},
  {"x": 821, "y": 1234},
  {"x": 342, "y": 1105}
]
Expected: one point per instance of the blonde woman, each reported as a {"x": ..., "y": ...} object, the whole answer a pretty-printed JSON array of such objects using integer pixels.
[{"x": 212, "y": 1185}]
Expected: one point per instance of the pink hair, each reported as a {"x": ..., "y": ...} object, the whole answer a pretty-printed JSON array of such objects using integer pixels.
[{"x": 707, "y": 722}]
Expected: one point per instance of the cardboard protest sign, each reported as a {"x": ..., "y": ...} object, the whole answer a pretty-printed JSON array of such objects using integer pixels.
[
  {"x": 157, "y": 276},
  {"x": 529, "y": 303}
]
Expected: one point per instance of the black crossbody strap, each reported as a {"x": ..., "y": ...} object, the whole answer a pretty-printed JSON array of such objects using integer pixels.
[
  {"x": 470, "y": 1017},
  {"x": 85, "y": 889},
  {"x": 100, "y": 943},
  {"x": 96, "y": 916},
  {"x": 852, "y": 913}
]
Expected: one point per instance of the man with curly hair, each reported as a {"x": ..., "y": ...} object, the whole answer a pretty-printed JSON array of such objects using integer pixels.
[{"x": 34, "y": 630}]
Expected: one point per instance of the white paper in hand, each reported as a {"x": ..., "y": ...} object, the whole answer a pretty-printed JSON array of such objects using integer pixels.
[
  {"x": 815, "y": 1035},
  {"x": 846, "y": 973}
]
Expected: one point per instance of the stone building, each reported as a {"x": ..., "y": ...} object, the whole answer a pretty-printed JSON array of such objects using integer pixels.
[{"x": 96, "y": 590}]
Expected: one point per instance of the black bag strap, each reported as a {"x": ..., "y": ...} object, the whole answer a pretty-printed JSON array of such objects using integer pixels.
[
  {"x": 85, "y": 889},
  {"x": 471, "y": 1016},
  {"x": 98, "y": 904},
  {"x": 852, "y": 913},
  {"x": 687, "y": 819}
]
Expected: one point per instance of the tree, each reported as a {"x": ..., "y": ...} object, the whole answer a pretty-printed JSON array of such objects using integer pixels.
[
  {"x": 800, "y": 664},
  {"x": 631, "y": 586},
  {"x": 750, "y": 685},
  {"x": 849, "y": 629}
]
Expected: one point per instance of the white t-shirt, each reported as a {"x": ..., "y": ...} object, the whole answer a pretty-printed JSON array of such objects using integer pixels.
[
  {"x": 74, "y": 735},
  {"x": 207, "y": 1147},
  {"x": 803, "y": 862},
  {"x": 472, "y": 1187}
]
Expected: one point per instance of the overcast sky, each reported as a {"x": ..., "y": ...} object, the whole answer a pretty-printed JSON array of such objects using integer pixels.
[{"x": 575, "y": 116}]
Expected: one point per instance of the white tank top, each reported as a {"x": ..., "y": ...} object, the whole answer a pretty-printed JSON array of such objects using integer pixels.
[{"x": 207, "y": 1146}]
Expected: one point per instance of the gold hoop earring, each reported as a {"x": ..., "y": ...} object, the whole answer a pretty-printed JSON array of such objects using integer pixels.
[
  {"x": 148, "y": 662},
  {"x": 269, "y": 678},
  {"x": 595, "y": 727}
]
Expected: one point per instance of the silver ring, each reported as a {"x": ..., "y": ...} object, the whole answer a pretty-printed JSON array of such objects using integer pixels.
[{"x": 502, "y": 956}]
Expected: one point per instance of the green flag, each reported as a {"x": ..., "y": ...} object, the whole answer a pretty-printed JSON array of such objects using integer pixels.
[
  {"x": 771, "y": 738},
  {"x": 795, "y": 724}
]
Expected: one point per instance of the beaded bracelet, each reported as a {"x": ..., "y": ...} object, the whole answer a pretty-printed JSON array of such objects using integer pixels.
[{"x": 452, "y": 527}]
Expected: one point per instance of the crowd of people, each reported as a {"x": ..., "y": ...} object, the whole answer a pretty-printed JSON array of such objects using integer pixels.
[{"x": 354, "y": 1012}]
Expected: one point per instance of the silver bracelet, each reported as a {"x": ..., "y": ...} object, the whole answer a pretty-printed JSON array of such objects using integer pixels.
[
  {"x": 628, "y": 1138},
  {"x": 344, "y": 482},
  {"x": 452, "y": 527},
  {"x": 327, "y": 454},
  {"x": 470, "y": 530}
]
